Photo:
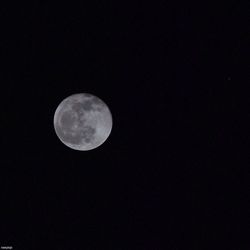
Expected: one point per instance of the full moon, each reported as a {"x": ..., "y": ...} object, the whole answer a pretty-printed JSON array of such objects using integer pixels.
[{"x": 82, "y": 121}]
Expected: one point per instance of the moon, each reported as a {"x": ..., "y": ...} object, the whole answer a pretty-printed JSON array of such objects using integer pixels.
[{"x": 83, "y": 121}]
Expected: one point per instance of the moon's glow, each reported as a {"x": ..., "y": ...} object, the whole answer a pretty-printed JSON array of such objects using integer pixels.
[{"x": 82, "y": 121}]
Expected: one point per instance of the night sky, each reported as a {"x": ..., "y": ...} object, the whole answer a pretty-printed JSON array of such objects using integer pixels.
[{"x": 174, "y": 172}]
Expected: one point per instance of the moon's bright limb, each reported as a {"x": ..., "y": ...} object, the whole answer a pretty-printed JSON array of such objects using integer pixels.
[{"x": 83, "y": 121}]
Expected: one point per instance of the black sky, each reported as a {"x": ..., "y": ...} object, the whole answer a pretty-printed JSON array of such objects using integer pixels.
[{"x": 174, "y": 172}]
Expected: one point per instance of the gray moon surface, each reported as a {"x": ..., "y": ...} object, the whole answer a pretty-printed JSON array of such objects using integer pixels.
[{"x": 83, "y": 121}]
